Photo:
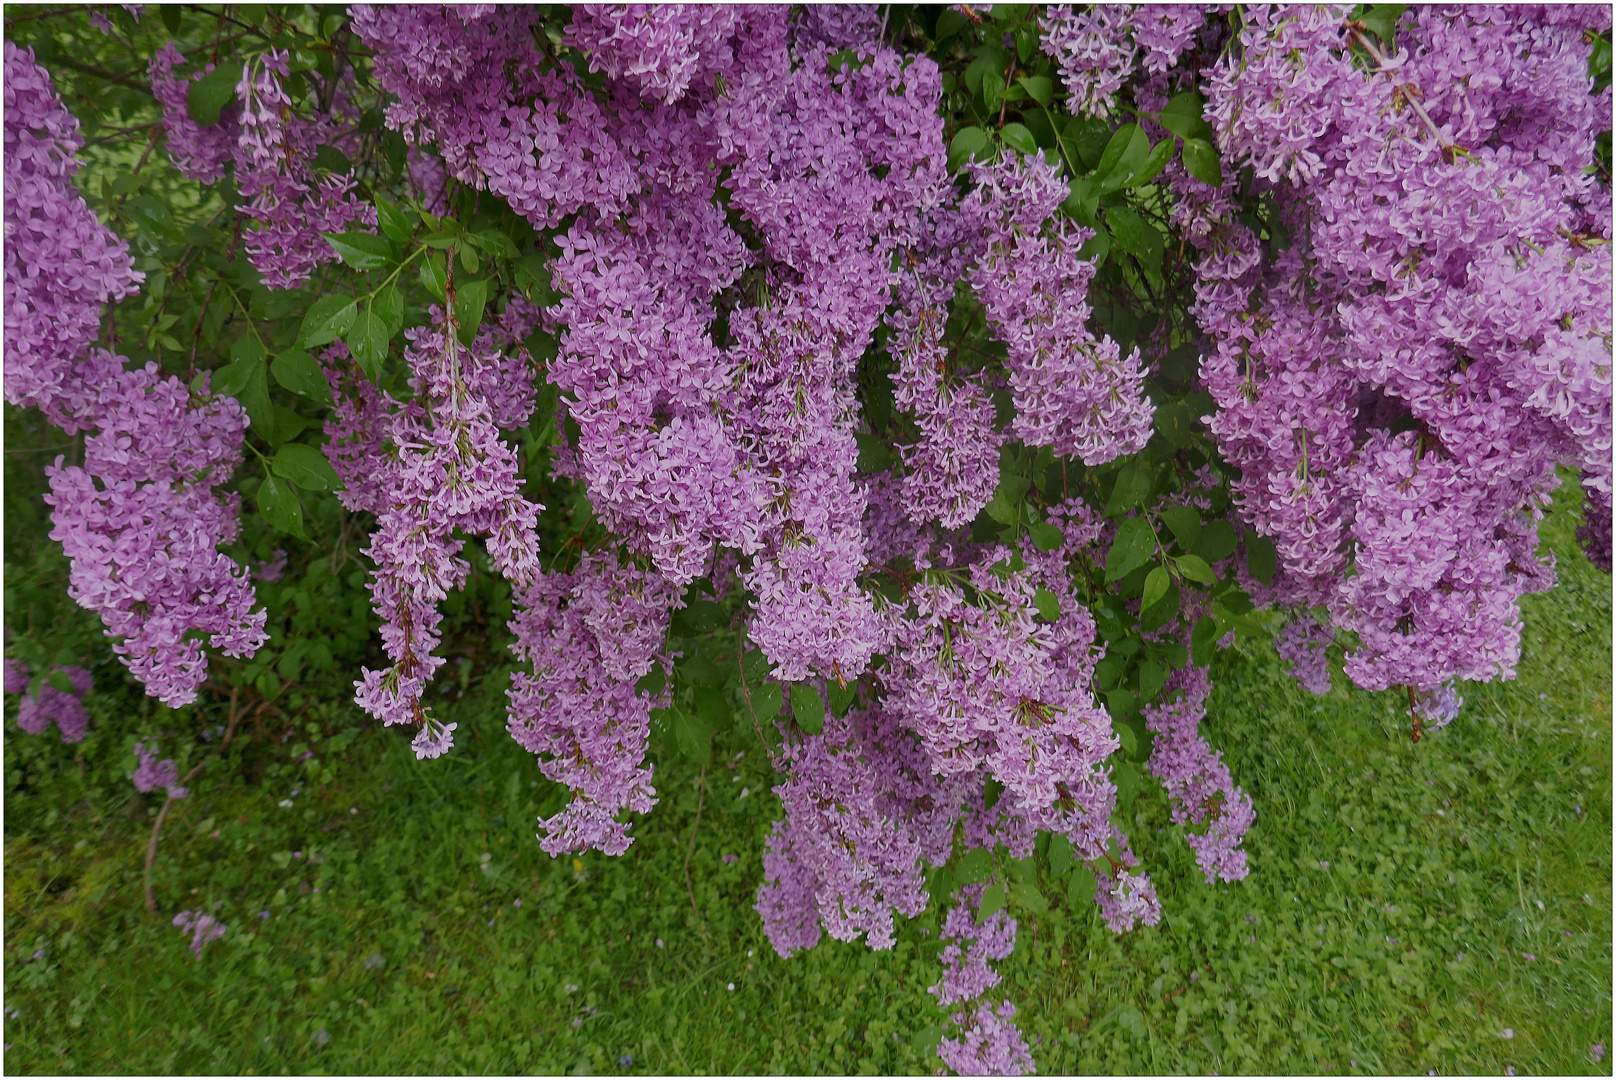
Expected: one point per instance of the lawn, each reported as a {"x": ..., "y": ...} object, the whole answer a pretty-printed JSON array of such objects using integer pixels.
[{"x": 1442, "y": 906}]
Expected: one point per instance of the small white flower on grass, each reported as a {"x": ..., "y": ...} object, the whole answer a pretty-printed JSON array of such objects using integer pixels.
[
  {"x": 732, "y": 987},
  {"x": 659, "y": 944},
  {"x": 286, "y": 804},
  {"x": 1507, "y": 1033}
]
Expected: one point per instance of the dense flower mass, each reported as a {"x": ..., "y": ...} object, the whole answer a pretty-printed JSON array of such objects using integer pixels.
[
  {"x": 139, "y": 518},
  {"x": 1398, "y": 386},
  {"x": 62, "y": 265},
  {"x": 938, "y": 450}
]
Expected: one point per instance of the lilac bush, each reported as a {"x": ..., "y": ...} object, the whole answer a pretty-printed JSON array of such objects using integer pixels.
[{"x": 926, "y": 398}]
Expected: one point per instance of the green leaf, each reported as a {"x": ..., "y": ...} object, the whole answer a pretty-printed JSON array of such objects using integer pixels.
[
  {"x": 926, "y": 1039},
  {"x": 1060, "y": 855},
  {"x": 1124, "y": 155},
  {"x": 470, "y": 297},
  {"x": 1133, "y": 547},
  {"x": 332, "y": 160},
  {"x": 1160, "y": 155},
  {"x": 968, "y": 142},
  {"x": 367, "y": 340},
  {"x": 494, "y": 242},
  {"x": 992, "y": 902},
  {"x": 1156, "y": 583},
  {"x": 1204, "y": 640},
  {"x": 361, "y": 250},
  {"x": 170, "y": 14},
  {"x": 248, "y": 382},
  {"x": 232, "y": 379},
  {"x": 328, "y": 319},
  {"x": 1132, "y": 487},
  {"x": 1088, "y": 137},
  {"x": 1027, "y": 895},
  {"x": 389, "y": 307},
  {"x": 306, "y": 467},
  {"x": 1126, "y": 777},
  {"x": 697, "y": 617},
  {"x": 434, "y": 278},
  {"x": 1182, "y": 116},
  {"x": 808, "y": 708},
  {"x": 279, "y": 505},
  {"x": 1152, "y": 677},
  {"x": 1083, "y": 201},
  {"x": 1156, "y": 615},
  {"x": 1045, "y": 536},
  {"x": 397, "y": 223},
  {"x": 532, "y": 276},
  {"x": 974, "y": 866},
  {"x": 1217, "y": 541},
  {"x": 712, "y": 707},
  {"x": 1048, "y": 604},
  {"x": 1097, "y": 247},
  {"x": 1039, "y": 88},
  {"x": 766, "y": 701},
  {"x": 1185, "y": 521},
  {"x": 1136, "y": 236},
  {"x": 1080, "y": 886},
  {"x": 1261, "y": 558},
  {"x": 1001, "y": 511},
  {"x": 993, "y": 91},
  {"x": 693, "y": 737},
  {"x": 208, "y": 96},
  {"x": 1017, "y": 137},
  {"x": 1195, "y": 568},
  {"x": 1381, "y": 19},
  {"x": 873, "y": 455},
  {"x": 841, "y": 697},
  {"x": 1201, "y": 161},
  {"x": 301, "y": 373},
  {"x": 1186, "y": 103},
  {"x": 469, "y": 259},
  {"x": 652, "y": 682}
]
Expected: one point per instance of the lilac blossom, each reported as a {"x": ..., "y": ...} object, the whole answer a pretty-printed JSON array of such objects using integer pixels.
[
  {"x": 1199, "y": 788},
  {"x": 201, "y": 153},
  {"x": 202, "y": 927},
  {"x": 61, "y": 264},
  {"x": 45, "y": 703},
  {"x": 151, "y": 773},
  {"x": 1073, "y": 392}
]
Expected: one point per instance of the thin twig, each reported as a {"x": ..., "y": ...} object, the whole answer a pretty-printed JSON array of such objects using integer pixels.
[
  {"x": 701, "y": 790},
  {"x": 168, "y": 803},
  {"x": 1419, "y": 110},
  {"x": 746, "y": 691}
]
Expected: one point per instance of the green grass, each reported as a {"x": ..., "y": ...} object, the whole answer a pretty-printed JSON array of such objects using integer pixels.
[{"x": 1407, "y": 904}]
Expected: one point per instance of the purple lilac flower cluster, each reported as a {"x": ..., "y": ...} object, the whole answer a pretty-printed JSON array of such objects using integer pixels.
[
  {"x": 202, "y": 927},
  {"x": 62, "y": 265},
  {"x": 447, "y": 469},
  {"x": 151, "y": 773},
  {"x": 1398, "y": 386},
  {"x": 988, "y": 1043},
  {"x": 44, "y": 703},
  {"x": 139, "y": 519},
  {"x": 1098, "y": 47}
]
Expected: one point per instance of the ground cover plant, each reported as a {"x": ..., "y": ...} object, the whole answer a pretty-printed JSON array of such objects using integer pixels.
[{"x": 899, "y": 415}]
